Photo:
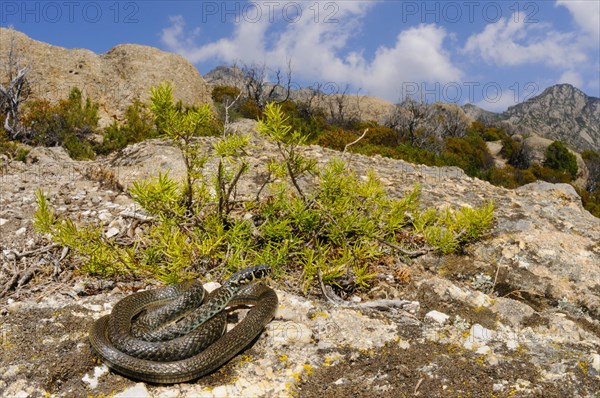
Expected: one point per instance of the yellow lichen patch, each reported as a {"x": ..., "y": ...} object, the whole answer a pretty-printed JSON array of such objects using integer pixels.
[
  {"x": 319, "y": 314},
  {"x": 284, "y": 358},
  {"x": 246, "y": 359},
  {"x": 329, "y": 360},
  {"x": 584, "y": 366},
  {"x": 308, "y": 369}
]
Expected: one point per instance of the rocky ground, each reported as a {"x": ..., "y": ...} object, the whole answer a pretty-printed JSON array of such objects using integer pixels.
[{"x": 517, "y": 315}]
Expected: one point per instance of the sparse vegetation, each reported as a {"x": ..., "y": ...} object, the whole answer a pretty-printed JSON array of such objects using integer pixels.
[
  {"x": 303, "y": 219},
  {"x": 70, "y": 124},
  {"x": 139, "y": 125},
  {"x": 446, "y": 142}
]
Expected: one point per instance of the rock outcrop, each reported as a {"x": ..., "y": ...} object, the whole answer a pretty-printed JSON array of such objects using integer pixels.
[
  {"x": 114, "y": 79},
  {"x": 561, "y": 112}
]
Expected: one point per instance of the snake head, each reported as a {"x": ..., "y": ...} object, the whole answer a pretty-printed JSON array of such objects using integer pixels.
[{"x": 248, "y": 275}]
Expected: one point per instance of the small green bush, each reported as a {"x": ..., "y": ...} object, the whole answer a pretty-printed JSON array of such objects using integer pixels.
[
  {"x": 559, "y": 158},
  {"x": 139, "y": 125},
  {"x": 70, "y": 124},
  {"x": 222, "y": 94}
]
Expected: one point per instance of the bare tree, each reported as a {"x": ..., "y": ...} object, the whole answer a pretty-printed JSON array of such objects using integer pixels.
[
  {"x": 451, "y": 120},
  {"x": 409, "y": 117},
  {"x": 14, "y": 91},
  {"x": 261, "y": 90}
]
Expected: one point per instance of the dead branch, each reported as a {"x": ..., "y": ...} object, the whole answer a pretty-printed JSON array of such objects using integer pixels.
[
  {"x": 383, "y": 305},
  {"x": 403, "y": 251},
  {"x": 355, "y": 141}
]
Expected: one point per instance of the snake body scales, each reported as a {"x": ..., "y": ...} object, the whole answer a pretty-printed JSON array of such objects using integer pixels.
[{"x": 186, "y": 355}]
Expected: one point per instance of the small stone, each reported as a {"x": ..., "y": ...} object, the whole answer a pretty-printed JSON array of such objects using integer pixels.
[
  {"x": 137, "y": 391},
  {"x": 105, "y": 216},
  {"x": 437, "y": 316},
  {"x": 3, "y": 221},
  {"x": 20, "y": 231},
  {"x": 498, "y": 387},
  {"x": 210, "y": 286},
  {"x": 112, "y": 232},
  {"x": 341, "y": 381},
  {"x": 169, "y": 394},
  {"x": 355, "y": 299},
  {"x": 99, "y": 371},
  {"x": 220, "y": 392}
]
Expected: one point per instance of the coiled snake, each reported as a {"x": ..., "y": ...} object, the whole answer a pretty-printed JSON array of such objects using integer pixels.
[{"x": 195, "y": 345}]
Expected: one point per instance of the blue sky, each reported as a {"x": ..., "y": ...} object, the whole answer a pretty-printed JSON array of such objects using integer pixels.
[{"x": 491, "y": 53}]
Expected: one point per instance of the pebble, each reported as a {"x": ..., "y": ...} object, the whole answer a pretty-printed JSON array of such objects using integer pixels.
[
  {"x": 478, "y": 336},
  {"x": 3, "y": 221},
  {"x": 224, "y": 391},
  {"x": 112, "y": 232},
  {"x": 20, "y": 231},
  {"x": 437, "y": 316},
  {"x": 105, "y": 216},
  {"x": 171, "y": 393},
  {"x": 137, "y": 391}
]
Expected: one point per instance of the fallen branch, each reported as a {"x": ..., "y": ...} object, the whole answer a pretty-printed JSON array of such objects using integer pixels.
[
  {"x": 411, "y": 254},
  {"x": 384, "y": 305},
  {"x": 355, "y": 141},
  {"x": 45, "y": 249},
  {"x": 10, "y": 284}
]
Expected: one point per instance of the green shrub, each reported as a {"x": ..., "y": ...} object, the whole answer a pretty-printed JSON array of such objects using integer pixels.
[
  {"x": 70, "y": 123},
  {"x": 250, "y": 109},
  {"x": 336, "y": 139},
  {"x": 549, "y": 174},
  {"x": 469, "y": 153},
  {"x": 559, "y": 158},
  {"x": 222, "y": 94},
  {"x": 339, "y": 222},
  {"x": 139, "y": 125}
]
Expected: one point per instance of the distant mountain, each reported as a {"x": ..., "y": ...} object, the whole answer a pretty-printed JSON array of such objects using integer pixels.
[
  {"x": 561, "y": 112},
  {"x": 476, "y": 113}
]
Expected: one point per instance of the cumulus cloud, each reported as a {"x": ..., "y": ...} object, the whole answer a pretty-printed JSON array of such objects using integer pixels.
[
  {"x": 514, "y": 41},
  {"x": 319, "y": 51},
  {"x": 586, "y": 14},
  {"x": 572, "y": 78}
]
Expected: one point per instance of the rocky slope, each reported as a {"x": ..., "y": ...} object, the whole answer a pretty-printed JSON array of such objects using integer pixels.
[
  {"x": 561, "y": 112},
  {"x": 516, "y": 315},
  {"x": 114, "y": 79}
]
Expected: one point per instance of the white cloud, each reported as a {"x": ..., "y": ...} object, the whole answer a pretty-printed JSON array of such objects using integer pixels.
[
  {"x": 572, "y": 78},
  {"x": 319, "y": 51},
  {"x": 586, "y": 14},
  {"x": 513, "y": 41}
]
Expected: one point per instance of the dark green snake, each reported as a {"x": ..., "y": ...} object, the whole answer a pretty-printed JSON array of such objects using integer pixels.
[{"x": 195, "y": 345}]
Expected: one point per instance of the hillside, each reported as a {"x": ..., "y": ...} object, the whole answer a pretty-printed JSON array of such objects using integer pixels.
[
  {"x": 561, "y": 112},
  {"x": 514, "y": 312},
  {"x": 114, "y": 79}
]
